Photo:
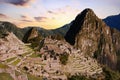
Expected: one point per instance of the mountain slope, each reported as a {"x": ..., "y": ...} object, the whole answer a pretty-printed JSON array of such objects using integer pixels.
[
  {"x": 113, "y": 21},
  {"x": 7, "y": 26},
  {"x": 116, "y": 43},
  {"x": 62, "y": 30},
  {"x": 93, "y": 37},
  {"x": 20, "y": 32}
]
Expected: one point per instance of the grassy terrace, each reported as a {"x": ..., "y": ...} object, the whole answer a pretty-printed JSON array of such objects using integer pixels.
[
  {"x": 25, "y": 54},
  {"x": 32, "y": 77},
  {"x": 5, "y": 76},
  {"x": 16, "y": 62},
  {"x": 10, "y": 59},
  {"x": 3, "y": 66},
  {"x": 34, "y": 55}
]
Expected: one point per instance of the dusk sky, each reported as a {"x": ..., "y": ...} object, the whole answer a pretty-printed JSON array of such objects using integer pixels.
[{"x": 51, "y": 14}]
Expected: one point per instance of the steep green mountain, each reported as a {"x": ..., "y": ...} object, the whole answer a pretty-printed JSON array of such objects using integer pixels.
[
  {"x": 94, "y": 38},
  {"x": 44, "y": 32},
  {"x": 62, "y": 30},
  {"x": 34, "y": 37},
  {"x": 20, "y": 32},
  {"x": 7, "y": 26}
]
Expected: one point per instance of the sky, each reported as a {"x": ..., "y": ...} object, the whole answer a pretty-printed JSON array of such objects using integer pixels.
[{"x": 51, "y": 14}]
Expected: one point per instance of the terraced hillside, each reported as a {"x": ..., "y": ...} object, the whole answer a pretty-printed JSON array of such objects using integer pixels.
[
  {"x": 55, "y": 60},
  {"x": 78, "y": 63}
]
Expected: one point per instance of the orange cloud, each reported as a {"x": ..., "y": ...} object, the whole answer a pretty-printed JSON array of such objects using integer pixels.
[{"x": 53, "y": 18}]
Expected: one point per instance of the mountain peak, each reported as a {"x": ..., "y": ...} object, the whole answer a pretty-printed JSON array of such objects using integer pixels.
[
  {"x": 87, "y": 10},
  {"x": 93, "y": 37},
  {"x": 82, "y": 20}
]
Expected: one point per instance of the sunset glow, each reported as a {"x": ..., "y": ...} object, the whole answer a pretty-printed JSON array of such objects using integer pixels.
[{"x": 51, "y": 14}]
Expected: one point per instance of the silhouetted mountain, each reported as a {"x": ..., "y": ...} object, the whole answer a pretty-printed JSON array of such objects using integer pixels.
[
  {"x": 93, "y": 37},
  {"x": 113, "y": 21}
]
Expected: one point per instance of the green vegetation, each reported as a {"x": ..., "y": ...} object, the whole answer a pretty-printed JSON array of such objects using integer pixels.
[
  {"x": 41, "y": 44},
  {"x": 3, "y": 66},
  {"x": 64, "y": 58},
  {"x": 11, "y": 28},
  {"x": 57, "y": 37},
  {"x": 16, "y": 62},
  {"x": 34, "y": 55},
  {"x": 25, "y": 54},
  {"x": 32, "y": 77},
  {"x": 37, "y": 43},
  {"x": 5, "y": 76},
  {"x": 11, "y": 59},
  {"x": 101, "y": 42},
  {"x": 110, "y": 74},
  {"x": 118, "y": 60},
  {"x": 77, "y": 77}
]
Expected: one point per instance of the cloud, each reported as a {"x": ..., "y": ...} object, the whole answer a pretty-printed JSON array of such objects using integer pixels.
[
  {"x": 26, "y": 20},
  {"x": 3, "y": 15},
  {"x": 39, "y": 19},
  {"x": 23, "y": 16},
  {"x": 63, "y": 11},
  {"x": 51, "y": 12},
  {"x": 17, "y": 2}
]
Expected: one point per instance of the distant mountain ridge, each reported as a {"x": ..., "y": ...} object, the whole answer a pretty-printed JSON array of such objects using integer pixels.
[
  {"x": 7, "y": 26},
  {"x": 113, "y": 21},
  {"x": 20, "y": 32}
]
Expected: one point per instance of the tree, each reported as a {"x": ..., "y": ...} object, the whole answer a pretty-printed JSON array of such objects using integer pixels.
[
  {"x": 64, "y": 58},
  {"x": 77, "y": 77}
]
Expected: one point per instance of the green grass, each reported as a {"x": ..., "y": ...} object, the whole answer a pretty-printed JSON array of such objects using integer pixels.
[
  {"x": 32, "y": 77},
  {"x": 16, "y": 62},
  {"x": 5, "y": 76},
  {"x": 77, "y": 77},
  {"x": 34, "y": 55},
  {"x": 3, "y": 66},
  {"x": 110, "y": 74},
  {"x": 25, "y": 54},
  {"x": 64, "y": 58},
  {"x": 11, "y": 59}
]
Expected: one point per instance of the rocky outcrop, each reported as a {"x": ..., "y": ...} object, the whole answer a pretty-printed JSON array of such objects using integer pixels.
[
  {"x": 116, "y": 43},
  {"x": 32, "y": 35},
  {"x": 93, "y": 37}
]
